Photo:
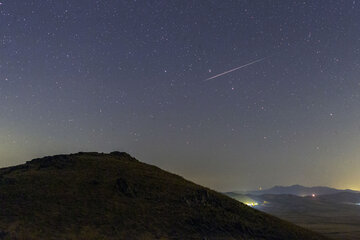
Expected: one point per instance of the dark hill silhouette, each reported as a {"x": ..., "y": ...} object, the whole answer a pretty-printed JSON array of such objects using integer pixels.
[{"x": 88, "y": 196}]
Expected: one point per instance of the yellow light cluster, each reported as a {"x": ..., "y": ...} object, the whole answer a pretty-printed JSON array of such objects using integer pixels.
[{"x": 251, "y": 204}]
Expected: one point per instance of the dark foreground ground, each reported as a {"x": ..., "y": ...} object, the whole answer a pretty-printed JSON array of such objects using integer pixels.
[{"x": 93, "y": 196}]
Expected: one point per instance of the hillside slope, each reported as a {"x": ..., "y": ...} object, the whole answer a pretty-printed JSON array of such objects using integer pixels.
[{"x": 113, "y": 196}]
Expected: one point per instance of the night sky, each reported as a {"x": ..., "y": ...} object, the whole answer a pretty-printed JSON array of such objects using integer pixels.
[{"x": 90, "y": 75}]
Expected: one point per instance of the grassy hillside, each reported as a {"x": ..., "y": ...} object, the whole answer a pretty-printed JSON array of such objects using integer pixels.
[{"x": 113, "y": 196}]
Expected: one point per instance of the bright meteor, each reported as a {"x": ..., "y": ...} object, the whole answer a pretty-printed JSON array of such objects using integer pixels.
[{"x": 234, "y": 69}]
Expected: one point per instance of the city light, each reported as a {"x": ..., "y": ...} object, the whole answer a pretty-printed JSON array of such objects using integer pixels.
[{"x": 251, "y": 204}]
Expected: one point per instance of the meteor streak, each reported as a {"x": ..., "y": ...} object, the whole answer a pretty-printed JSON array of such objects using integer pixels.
[{"x": 234, "y": 69}]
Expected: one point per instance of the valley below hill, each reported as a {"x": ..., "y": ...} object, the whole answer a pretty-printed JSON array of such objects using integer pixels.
[{"x": 334, "y": 215}]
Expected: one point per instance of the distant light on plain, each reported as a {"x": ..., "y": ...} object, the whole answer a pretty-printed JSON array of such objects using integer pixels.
[{"x": 251, "y": 204}]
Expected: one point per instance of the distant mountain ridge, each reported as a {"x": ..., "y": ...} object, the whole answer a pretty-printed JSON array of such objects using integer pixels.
[{"x": 299, "y": 190}]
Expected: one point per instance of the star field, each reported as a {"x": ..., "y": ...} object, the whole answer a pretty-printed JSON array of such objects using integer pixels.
[{"x": 92, "y": 75}]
